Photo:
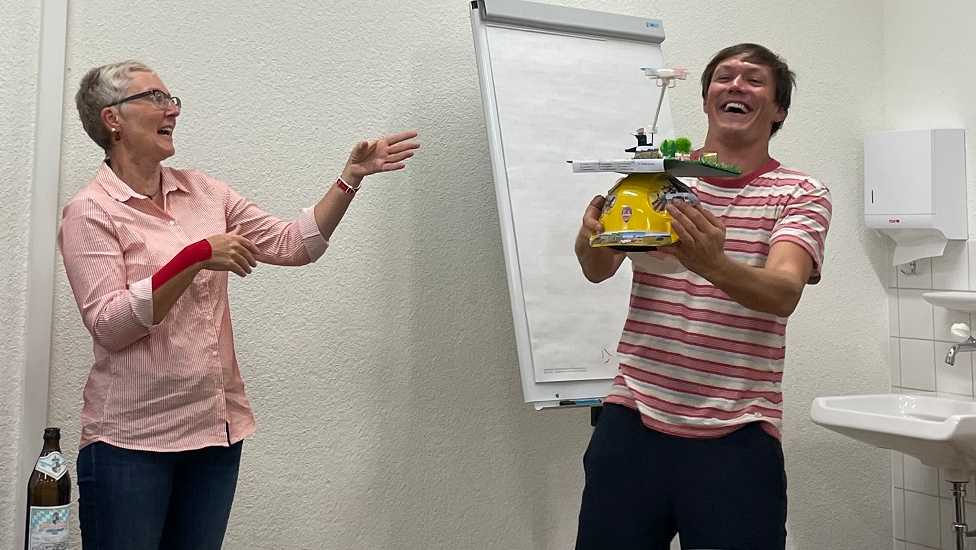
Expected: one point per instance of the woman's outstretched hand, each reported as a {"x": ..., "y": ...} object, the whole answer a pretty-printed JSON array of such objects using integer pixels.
[{"x": 385, "y": 154}]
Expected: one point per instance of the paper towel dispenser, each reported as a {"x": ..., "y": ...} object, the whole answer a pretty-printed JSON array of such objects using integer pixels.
[{"x": 915, "y": 189}]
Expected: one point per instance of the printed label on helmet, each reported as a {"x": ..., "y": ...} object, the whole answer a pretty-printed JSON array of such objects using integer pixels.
[
  {"x": 52, "y": 465},
  {"x": 658, "y": 201},
  {"x": 689, "y": 198},
  {"x": 625, "y": 213},
  {"x": 47, "y": 527}
]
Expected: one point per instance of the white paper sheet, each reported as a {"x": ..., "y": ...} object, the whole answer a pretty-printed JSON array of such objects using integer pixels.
[
  {"x": 550, "y": 111},
  {"x": 915, "y": 244}
]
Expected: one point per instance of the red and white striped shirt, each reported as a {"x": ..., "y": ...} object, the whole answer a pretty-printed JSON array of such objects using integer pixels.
[
  {"x": 694, "y": 362},
  {"x": 176, "y": 385}
]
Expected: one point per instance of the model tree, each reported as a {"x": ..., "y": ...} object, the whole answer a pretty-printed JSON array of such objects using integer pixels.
[
  {"x": 668, "y": 149},
  {"x": 683, "y": 146}
]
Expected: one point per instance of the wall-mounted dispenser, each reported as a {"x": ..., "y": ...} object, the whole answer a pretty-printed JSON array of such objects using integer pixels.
[{"x": 915, "y": 189}]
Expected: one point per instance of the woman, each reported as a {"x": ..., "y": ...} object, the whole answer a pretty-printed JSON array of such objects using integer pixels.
[{"x": 147, "y": 249}]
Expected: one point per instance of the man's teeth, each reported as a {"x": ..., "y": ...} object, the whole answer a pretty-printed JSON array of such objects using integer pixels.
[{"x": 735, "y": 107}]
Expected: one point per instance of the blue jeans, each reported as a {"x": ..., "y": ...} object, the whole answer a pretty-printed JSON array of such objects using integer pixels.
[
  {"x": 643, "y": 486},
  {"x": 142, "y": 500}
]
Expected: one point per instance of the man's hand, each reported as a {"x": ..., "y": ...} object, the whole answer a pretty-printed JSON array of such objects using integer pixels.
[
  {"x": 598, "y": 264},
  {"x": 231, "y": 252},
  {"x": 701, "y": 247},
  {"x": 591, "y": 225}
]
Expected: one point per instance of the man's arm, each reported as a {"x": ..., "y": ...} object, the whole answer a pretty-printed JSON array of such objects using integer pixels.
[
  {"x": 775, "y": 288},
  {"x": 598, "y": 264}
]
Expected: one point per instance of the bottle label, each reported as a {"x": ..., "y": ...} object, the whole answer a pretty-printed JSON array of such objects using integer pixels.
[
  {"x": 52, "y": 465},
  {"x": 48, "y": 528}
]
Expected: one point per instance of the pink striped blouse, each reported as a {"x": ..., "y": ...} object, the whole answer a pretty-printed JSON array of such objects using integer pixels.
[
  {"x": 176, "y": 385},
  {"x": 694, "y": 362}
]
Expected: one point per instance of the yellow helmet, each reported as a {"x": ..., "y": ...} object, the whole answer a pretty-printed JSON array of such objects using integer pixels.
[{"x": 634, "y": 215}]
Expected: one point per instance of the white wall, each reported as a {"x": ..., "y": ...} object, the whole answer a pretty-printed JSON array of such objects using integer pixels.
[
  {"x": 389, "y": 366},
  {"x": 928, "y": 84},
  {"x": 19, "y": 42},
  {"x": 919, "y": 338}
]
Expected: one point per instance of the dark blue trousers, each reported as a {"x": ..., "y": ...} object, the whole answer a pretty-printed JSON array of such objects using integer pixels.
[
  {"x": 141, "y": 500},
  {"x": 643, "y": 486}
]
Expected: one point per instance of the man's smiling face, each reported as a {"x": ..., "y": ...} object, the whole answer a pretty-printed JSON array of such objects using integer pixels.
[{"x": 741, "y": 100}]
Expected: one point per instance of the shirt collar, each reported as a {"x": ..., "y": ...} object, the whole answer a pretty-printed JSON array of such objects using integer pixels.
[
  {"x": 744, "y": 179},
  {"x": 120, "y": 191}
]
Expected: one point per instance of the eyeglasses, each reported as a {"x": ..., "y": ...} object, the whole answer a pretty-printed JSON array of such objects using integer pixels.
[{"x": 159, "y": 99}]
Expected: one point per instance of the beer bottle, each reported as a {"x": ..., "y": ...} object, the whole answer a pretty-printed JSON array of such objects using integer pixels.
[{"x": 48, "y": 497}]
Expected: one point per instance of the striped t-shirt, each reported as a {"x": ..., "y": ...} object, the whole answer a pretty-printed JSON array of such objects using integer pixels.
[{"x": 694, "y": 362}]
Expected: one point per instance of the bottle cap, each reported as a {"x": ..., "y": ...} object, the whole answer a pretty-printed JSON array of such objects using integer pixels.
[{"x": 52, "y": 433}]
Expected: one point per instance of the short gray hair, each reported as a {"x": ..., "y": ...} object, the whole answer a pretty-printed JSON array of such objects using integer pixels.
[{"x": 100, "y": 87}]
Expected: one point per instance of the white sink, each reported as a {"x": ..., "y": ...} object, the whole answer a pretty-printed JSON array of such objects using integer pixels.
[
  {"x": 959, "y": 300},
  {"x": 938, "y": 431}
]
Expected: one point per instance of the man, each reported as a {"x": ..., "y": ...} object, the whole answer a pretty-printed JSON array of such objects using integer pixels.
[{"x": 688, "y": 440}]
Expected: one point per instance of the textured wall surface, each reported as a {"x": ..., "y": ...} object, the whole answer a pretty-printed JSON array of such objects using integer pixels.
[
  {"x": 389, "y": 410},
  {"x": 927, "y": 81},
  {"x": 19, "y": 42},
  {"x": 928, "y": 84}
]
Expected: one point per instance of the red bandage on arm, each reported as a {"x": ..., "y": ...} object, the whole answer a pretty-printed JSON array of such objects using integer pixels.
[{"x": 199, "y": 251}]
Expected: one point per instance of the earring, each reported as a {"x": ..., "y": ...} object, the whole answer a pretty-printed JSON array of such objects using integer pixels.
[{"x": 116, "y": 136}]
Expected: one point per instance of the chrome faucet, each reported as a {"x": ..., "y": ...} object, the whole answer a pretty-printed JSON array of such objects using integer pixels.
[{"x": 969, "y": 344}]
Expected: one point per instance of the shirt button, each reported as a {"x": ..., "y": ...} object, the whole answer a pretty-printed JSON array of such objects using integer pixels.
[
  {"x": 172, "y": 222},
  {"x": 215, "y": 354}
]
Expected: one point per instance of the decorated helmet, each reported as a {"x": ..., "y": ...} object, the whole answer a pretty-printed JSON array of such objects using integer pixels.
[{"x": 634, "y": 215}]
